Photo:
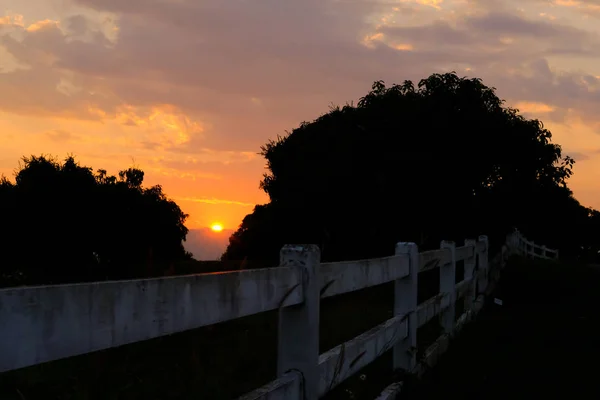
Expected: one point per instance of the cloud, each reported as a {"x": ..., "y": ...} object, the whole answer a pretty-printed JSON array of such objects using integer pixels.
[
  {"x": 60, "y": 136},
  {"x": 513, "y": 53},
  {"x": 209, "y": 58},
  {"x": 578, "y": 156},
  {"x": 588, "y": 7},
  {"x": 194, "y": 88},
  {"x": 11, "y": 21},
  {"x": 77, "y": 25},
  {"x": 526, "y": 107},
  {"x": 503, "y": 23}
]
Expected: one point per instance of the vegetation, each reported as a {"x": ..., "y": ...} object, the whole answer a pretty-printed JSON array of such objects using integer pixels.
[
  {"x": 65, "y": 223},
  {"x": 440, "y": 160}
]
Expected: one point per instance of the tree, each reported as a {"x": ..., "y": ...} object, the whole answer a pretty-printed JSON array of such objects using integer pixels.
[
  {"x": 442, "y": 160},
  {"x": 64, "y": 223}
]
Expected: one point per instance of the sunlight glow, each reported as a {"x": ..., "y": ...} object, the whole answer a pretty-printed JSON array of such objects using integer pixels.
[{"x": 216, "y": 227}]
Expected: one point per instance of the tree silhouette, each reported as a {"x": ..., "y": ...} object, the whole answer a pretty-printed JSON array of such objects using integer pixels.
[
  {"x": 64, "y": 223},
  {"x": 442, "y": 160}
]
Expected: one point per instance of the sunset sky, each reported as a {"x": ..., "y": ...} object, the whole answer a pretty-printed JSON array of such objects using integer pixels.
[{"x": 188, "y": 90}]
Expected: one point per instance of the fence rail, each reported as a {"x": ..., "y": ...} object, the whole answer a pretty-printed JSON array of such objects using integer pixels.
[
  {"x": 532, "y": 250},
  {"x": 45, "y": 323}
]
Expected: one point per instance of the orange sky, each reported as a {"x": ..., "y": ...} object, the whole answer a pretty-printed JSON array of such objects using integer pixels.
[{"x": 189, "y": 90}]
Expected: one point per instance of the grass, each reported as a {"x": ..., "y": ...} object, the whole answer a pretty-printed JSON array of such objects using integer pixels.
[{"x": 542, "y": 342}]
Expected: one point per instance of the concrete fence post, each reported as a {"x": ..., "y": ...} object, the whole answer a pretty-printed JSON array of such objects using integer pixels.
[
  {"x": 504, "y": 254},
  {"x": 405, "y": 303},
  {"x": 509, "y": 242},
  {"x": 448, "y": 287},
  {"x": 483, "y": 272},
  {"x": 544, "y": 255},
  {"x": 298, "y": 336},
  {"x": 469, "y": 273},
  {"x": 515, "y": 243}
]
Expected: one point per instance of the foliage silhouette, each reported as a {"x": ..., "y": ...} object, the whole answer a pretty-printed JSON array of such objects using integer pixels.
[
  {"x": 64, "y": 223},
  {"x": 441, "y": 160}
]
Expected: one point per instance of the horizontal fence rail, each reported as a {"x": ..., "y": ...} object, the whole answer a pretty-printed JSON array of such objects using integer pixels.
[
  {"x": 46, "y": 323},
  {"x": 53, "y": 322},
  {"x": 348, "y": 276},
  {"x": 532, "y": 250}
]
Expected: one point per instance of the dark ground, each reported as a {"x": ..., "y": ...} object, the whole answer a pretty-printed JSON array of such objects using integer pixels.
[{"x": 543, "y": 342}]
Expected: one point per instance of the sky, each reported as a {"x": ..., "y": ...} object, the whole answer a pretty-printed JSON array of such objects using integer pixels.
[{"x": 188, "y": 90}]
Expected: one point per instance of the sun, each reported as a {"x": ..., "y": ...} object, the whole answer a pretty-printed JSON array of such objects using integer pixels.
[{"x": 216, "y": 227}]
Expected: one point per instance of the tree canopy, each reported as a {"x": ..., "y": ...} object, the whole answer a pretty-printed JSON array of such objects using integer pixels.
[
  {"x": 62, "y": 222},
  {"x": 444, "y": 159}
]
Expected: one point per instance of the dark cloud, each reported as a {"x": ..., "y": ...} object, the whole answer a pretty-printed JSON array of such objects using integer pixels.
[
  {"x": 77, "y": 24},
  {"x": 504, "y": 23},
  {"x": 577, "y": 156},
  {"x": 60, "y": 136},
  {"x": 211, "y": 58}
]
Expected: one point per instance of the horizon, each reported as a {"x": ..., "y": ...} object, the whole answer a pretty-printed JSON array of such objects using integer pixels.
[
  {"x": 171, "y": 88},
  {"x": 206, "y": 244}
]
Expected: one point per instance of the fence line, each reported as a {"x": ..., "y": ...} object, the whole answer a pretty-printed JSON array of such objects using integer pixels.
[
  {"x": 533, "y": 250},
  {"x": 46, "y": 323}
]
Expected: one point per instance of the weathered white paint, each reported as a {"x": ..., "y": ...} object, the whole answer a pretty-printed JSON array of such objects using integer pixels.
[
  {"x": 341, "y": 362},
  {"x": 391, "y": 392},
  {"x": 466, "y": 251},
  {"x": 298, "y": 339},
  {"x": 435, "y": 305},
  {"x": 405, "y": 303},
  {"x": 342, "y": 277},
  {"x": 46, "y": 323},
  {"x": 433, "y": 352},
  {"x": 433, "y": 259},
  {"x": 469, "y": 267},
  {"x": 481, "y": 244},
  {"x": 483, "y": 267},
  {"x": 448, "y": 287},
  {"x": 462, "y": 288},
  {"x": 431, "y": 307}
]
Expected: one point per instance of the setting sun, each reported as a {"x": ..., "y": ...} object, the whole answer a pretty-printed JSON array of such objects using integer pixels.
[{"x": 216, "y": 227}]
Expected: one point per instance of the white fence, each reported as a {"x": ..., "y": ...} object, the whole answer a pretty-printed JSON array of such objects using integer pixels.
[
  {"x": 531, "y": 250},
  {"x": 41, "y": 324}
]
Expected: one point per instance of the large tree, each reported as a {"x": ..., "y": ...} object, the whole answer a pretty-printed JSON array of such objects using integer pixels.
[
  {"x": 442, "y": 160},
  {"x": 61, "y": 222}
]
